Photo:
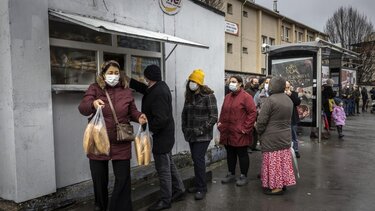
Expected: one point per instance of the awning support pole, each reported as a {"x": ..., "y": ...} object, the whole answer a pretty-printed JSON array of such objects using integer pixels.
[
  {"x": 175, "y": 46},
  {"x": 319, "y": 94}
]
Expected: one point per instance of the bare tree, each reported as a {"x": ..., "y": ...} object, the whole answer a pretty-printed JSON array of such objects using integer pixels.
[
  {"x": 348, "y": 27},
  {"x": 353, "y": 30},
  {"x": 366, "y": 71},
  {"x": 218, "y": 4}
]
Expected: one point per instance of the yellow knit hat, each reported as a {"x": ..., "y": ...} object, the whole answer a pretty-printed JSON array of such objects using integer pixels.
[{"x": 197, "y": 76}]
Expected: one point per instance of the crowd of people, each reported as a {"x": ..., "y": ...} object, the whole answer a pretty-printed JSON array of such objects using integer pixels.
[{"x": 263, "y": 110}]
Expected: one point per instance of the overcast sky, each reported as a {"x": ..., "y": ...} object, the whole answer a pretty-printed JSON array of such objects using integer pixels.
[{"x": 315, "y": 13}]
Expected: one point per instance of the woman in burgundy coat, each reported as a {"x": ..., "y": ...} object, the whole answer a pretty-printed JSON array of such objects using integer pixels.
[
  {"x": 120, "y": 153},
  {"x": 236, "y": 123}
]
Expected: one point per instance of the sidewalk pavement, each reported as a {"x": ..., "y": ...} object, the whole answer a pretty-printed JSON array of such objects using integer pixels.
[{"x": 336, "y": 174}]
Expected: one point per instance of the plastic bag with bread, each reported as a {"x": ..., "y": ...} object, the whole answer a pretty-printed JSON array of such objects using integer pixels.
[
  {"x": 142, "y": 145},
  {"x": 95, "y": 138}
]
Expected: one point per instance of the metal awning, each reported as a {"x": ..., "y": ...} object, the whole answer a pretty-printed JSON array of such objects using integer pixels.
[{"x": 120, "y": 29}]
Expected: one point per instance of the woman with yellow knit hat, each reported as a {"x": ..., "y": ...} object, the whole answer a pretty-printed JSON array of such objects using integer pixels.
[{"x": 199, "y": 115}]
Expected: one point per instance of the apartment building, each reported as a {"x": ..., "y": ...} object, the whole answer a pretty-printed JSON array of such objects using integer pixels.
[{"x": 249, "y": 25}]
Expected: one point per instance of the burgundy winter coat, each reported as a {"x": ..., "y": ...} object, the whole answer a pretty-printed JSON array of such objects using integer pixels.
[
  {"x": 237, "y": 118},
  {"x": 126, "y": 111}
]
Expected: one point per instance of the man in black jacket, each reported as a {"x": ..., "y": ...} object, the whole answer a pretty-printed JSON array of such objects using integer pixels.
[
  {"x": 295, "y": 118},
  {"x": 252, "y": 88},
  {"x": 157, "y": 105}
]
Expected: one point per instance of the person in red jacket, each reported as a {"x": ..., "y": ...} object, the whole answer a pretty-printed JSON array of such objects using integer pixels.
[
  {"x": 120, "y": 153},
  {"x": 236, "y": 123}
]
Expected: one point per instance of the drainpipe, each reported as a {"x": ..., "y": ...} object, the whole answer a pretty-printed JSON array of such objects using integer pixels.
[{"x": 241, "y": 52}]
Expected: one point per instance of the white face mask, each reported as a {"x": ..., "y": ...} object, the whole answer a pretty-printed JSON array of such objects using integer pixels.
[
  {"x": 233, "y": 87},
  {"x": 193, "y": 86},
  {"x": 266, "y": 87},
  {"x": 112, "y": 80}
]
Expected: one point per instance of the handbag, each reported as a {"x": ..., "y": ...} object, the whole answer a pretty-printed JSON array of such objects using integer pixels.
[{"x": 125, "y": 132}]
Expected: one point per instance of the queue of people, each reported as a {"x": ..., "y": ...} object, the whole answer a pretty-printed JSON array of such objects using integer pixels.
[{"x": 266, "y": 113}]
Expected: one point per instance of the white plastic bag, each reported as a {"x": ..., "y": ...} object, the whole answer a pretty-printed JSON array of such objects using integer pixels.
[
  {"x": 95, "y": 138},
  {"x": 142, "y": 145}
]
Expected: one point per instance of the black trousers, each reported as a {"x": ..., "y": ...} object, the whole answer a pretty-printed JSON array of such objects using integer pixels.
[
  {"x": 255, "y": 139},
  {"x": 357, "y": 106},
  {"x": 243, "y": 156},
  {"x": 364, "y": 104},
  {"x": 169, "y": 179},
  {"x": 339, "y": 129},
  {"x": 198, "y": 152},
  {"x": 121, "y": 195}
]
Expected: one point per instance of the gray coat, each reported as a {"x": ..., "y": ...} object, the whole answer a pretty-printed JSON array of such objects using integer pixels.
[{"x": 274, "y": 120}]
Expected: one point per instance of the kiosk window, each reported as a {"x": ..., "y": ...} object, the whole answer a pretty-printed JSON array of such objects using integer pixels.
[
  {"x": 138, "y": 65},
  {"x": 72, "y": 66},
  {"x": 140, "y": 44},
  {"x": 68, "y": 31}
]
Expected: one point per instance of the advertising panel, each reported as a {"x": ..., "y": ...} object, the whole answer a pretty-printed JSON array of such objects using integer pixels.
[{"x": 299, "y": 72}]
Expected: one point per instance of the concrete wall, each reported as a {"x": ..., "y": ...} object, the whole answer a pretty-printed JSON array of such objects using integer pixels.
[
  {"x": 28, "y": 131},
  {"x": 7, "y": 149}
]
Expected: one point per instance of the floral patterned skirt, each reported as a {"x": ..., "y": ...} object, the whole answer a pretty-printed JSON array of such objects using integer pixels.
[{"x": 277, "y": 169}]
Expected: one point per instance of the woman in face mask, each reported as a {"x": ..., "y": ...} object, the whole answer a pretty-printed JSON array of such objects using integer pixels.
[
  {"x": 262, "y": 93},
  {"x": 199, "y": 115},
  {"x": 236, "y": 123},
  {"x": 109, "y": 81}
]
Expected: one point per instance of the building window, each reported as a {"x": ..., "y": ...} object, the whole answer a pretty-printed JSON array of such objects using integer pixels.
[
  {"x": 245, "y": 14},
  {"x": 264, "y": 40},
  {"x": 271, "y": 41},
  {"x": 229, "y": 8},
  {"x": 311, "y": 38},
  {"x": 244, "y": 50},
  {"x": 229, "y": 48},
  {"x": 300, "y": 36},
  {"x": 286, "y": 34}
]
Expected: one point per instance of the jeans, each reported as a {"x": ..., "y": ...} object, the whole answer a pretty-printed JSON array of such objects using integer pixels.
[
  {"x": 294, "y": 138},
  {"x": 169, "y": 178},
  {"x": 121, "y": 195},
  {"x": 198, "y": 152},
  {"x": 241, "y": 153}
]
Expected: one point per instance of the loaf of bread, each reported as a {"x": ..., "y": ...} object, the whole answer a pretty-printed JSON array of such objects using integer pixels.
[
  {"x": 138, "y": 150},
  {"x": 146, "y": 149},
  {"x": 88, "y": 141},
  {"x": 101, "y": 139}
]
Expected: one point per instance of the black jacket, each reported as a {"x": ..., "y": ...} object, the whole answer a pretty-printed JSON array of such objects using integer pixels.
[
  {"x": 296, "y": 102},
  {"x": 157, "y": 105},
  {"x": 327, "y": 94}
]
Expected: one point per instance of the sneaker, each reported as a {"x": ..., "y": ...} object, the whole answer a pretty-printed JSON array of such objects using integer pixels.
[
  {"x": 242, "y": 181},
  {"x": 298, "y": 155},
  {"x": 191, "y": 190},
  {"x": 178, "y": 196},
  {"x": 199, "y": 195},
  {"x": 341, "y": 136},
  {"x": 229, "y": 179}
]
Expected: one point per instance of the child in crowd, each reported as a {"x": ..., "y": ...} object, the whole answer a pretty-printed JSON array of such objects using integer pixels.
[{"x": 339, "y": 117}]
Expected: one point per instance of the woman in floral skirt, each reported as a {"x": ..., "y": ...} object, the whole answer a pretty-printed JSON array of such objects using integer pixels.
[{"x": 273, "y": 126}]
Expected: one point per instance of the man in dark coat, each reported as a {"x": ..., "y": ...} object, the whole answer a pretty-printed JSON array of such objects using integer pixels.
[
  {"x": 295, "y": 118},
  {"x": 364, "y": 99},
  {"x": 157, "y": 105},
  {"x": 252, "y": 88}
]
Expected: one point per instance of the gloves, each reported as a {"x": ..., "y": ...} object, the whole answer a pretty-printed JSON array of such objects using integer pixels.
[{"x": 197, "y": 132}]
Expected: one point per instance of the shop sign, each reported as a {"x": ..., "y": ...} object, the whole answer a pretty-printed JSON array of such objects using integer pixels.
[
  {"x": 231, "y": 28},
  {"x": 170, "y": 7}
]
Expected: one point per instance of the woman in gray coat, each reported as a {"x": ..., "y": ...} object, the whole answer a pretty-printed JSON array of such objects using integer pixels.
[{"x": 273, "y": 126}]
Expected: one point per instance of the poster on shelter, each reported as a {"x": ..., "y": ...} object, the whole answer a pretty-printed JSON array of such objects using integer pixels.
[
  {"x": 348, "y": 77},
  {"x": 299, "y": 72}
]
